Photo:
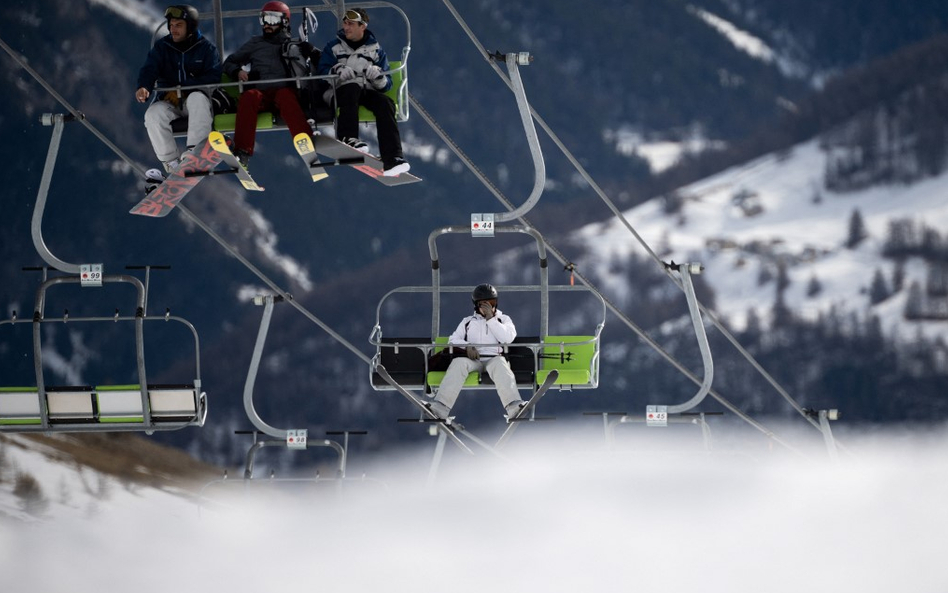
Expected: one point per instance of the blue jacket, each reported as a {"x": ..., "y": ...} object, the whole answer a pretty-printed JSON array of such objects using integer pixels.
[
  {"x": 194, "y": 61},
  {"x": 340, "y": 52}
]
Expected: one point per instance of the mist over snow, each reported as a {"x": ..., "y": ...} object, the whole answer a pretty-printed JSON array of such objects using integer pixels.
[{"x": 656, "y": 513}]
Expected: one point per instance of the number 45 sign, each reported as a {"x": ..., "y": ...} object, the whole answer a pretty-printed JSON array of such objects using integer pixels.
[{"x": 656, "y": 415}]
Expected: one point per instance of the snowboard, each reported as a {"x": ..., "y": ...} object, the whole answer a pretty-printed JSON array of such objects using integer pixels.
[
  {"x": 219, "y": 143},
  {"x": 341, "y": 153},
  {"x": 304, "y": 146},
  {"x": 194, "y": 166},
  {"x": 527, "y": 408}
]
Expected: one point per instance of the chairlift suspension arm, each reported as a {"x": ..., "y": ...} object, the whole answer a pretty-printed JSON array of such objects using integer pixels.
[
  {"x": 514, "y": 60},
  {"x": 685, "y": 271}
]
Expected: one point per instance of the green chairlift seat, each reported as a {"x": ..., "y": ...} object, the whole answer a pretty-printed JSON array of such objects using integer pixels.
[{"x": 575, "y": 357}]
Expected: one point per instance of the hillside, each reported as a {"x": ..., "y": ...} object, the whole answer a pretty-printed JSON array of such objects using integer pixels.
[
  {"x": 681, "y": 79},
  {"x": 44, "y": 478}
]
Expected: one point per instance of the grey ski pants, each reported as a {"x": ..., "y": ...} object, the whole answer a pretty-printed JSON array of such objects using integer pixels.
[
  {"x": 160, "y": 114},
  {"x": 498, "y": 369}
]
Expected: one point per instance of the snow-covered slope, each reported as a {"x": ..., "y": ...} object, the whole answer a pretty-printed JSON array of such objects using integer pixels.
[
  {"x": 39, "y": 483},
  {"x": 748, "y": 219}
]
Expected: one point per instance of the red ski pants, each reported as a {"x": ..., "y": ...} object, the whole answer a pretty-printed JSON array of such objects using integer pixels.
[{"x": 253, "y": 101}]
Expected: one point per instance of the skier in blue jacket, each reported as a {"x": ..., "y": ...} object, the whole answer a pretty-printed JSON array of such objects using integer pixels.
[
  {"x": 183, "y": 57},
  {"x": 358, "y": 61}
]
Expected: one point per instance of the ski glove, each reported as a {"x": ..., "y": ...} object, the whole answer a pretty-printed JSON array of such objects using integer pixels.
[
  {"x": 307, "y": 50},
  {"x": 344, "y": 72},
  {"x": 472, "y": 353},
  {"x": 373, "y": 72},
  {"x": 486, "y": 311},
  {"x": 374, "y": 75}
]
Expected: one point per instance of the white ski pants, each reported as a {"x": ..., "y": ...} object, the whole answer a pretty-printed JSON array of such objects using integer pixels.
[
  {"x": 498, "y": 369},
  {"x": 160, "y": 114}
]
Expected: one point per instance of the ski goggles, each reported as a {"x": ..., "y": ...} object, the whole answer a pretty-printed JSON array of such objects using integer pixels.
[
  {"x": 176, "y": 12},
  {"x": 270, "y": 17},
  {"x": 353, "y": 16}
]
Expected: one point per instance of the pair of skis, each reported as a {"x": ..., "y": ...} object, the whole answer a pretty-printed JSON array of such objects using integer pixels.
[
  {"x": 452, "y": 429},
  {"x": 203, "y": 161}
]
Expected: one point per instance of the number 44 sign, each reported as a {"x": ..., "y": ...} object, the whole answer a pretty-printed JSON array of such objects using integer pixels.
[{"x": 482, "y": 225}]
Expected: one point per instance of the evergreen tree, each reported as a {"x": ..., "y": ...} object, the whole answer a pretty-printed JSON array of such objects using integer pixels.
[
  {"x": 814, "y": 287},
  {"x": 937, "y": 282},
  {"x": 783, "y": 316},
  {"x": 857, "y": 230},
  {"x": 915, "y": 304},
  {"x": 878, "y": 290},
  {"x": 931, "y": 243},
  {"x": 898, "y": 276},
  {"x": 901, "y": 240}
]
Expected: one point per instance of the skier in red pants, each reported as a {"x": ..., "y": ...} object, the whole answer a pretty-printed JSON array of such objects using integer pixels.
[{"x": 272, "y": 55}]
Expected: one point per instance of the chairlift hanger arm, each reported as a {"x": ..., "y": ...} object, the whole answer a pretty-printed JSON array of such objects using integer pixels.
[
  {"x": 685, "y": 271},
  {"x": 514, "y": 61}
]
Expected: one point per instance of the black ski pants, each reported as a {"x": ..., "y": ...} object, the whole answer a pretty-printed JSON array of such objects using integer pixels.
[{"x": 348, "y": 98}]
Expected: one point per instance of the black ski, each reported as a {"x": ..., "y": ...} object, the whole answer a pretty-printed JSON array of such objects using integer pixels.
[
  {"x": 521, "y": 415},
  {"x": 445, "y": 425},
  {"x": 219, "y": 143}
]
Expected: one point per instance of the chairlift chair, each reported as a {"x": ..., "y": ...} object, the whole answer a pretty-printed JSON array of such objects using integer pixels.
[{"x": 319, "y": 112}]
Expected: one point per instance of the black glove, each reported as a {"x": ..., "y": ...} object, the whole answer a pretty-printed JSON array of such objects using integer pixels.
[{"x": 308, "y": 51}]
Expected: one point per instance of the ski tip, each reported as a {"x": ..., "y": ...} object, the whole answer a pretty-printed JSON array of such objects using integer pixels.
[
  {"x": 218, "y": 142},
  {"x": 148, "y": 212}
]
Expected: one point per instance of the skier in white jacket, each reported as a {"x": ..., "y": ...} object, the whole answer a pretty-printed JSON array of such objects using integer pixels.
[{"x": 489, "y": 325}]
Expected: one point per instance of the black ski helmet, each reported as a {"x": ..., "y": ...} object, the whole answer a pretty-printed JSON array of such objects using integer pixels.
[
  {"x": 483, "y": 292},
  {"x": 185, "y": 12}
]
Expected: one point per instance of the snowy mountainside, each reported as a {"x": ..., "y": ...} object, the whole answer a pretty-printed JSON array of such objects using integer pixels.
[
  {"x": 48, "y": 478},
  {"x": 746, "y": 221}
]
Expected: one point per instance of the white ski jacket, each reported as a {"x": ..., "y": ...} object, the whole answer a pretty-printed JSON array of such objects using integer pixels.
[{"x": 474, "y": 329}]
